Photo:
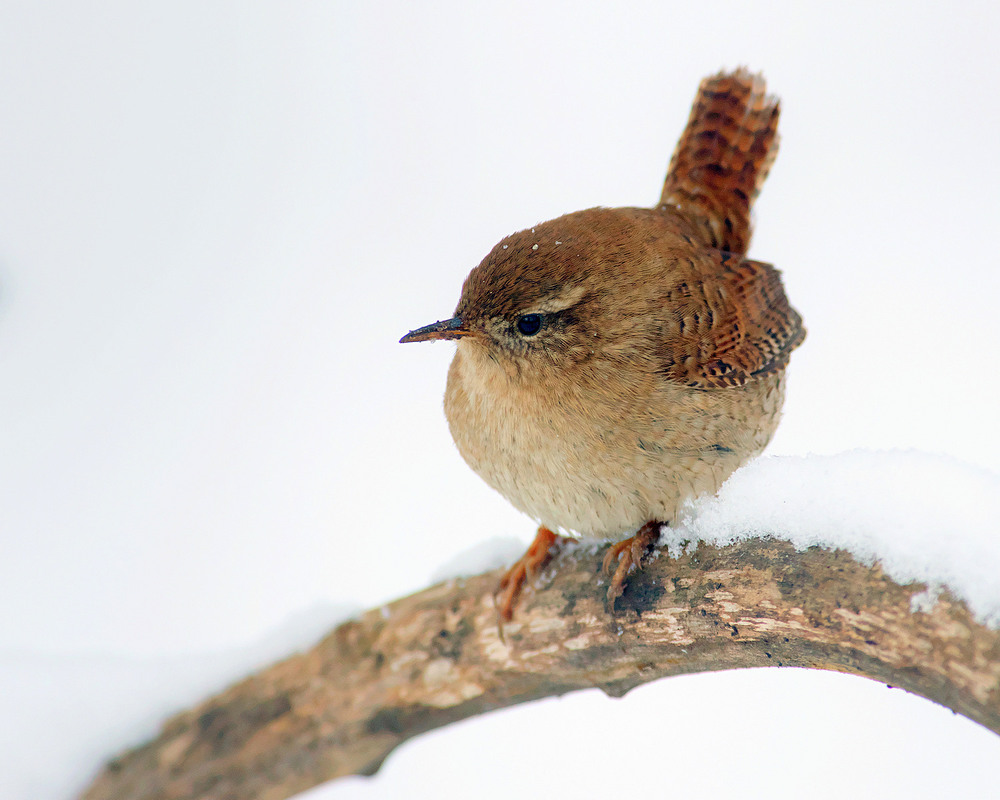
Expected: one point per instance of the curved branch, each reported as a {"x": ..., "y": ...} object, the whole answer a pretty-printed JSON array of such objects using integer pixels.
[{"x": 437, "y": 657}]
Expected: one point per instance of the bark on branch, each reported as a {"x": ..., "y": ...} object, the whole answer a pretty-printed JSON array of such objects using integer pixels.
[{"x": 437, "y": 656}]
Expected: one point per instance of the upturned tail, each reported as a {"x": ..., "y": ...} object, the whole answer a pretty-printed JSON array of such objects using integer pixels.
[{"x": 723, "y": 157}]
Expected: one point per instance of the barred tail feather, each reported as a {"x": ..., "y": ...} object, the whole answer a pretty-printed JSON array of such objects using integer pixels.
[{"x": 723, "y": 157}]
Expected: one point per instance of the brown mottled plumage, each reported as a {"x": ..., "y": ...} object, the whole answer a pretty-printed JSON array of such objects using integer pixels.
[{"x": 614, "y": 363}]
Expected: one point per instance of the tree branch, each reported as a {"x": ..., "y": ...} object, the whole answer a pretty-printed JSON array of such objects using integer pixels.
[{"x": 437, "y": 656}]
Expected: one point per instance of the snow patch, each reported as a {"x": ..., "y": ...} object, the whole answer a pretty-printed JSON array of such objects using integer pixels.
[
  {"x": 922, "y": 517},
  {"x": 925, "y": 601}
]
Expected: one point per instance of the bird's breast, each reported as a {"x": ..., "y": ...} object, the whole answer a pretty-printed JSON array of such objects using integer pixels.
[{"x": 595, "y": 457}]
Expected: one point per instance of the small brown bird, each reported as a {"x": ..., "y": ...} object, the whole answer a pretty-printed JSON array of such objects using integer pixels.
[{"x": 614, "y": 363}]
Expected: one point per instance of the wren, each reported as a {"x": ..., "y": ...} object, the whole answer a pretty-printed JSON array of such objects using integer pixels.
[{"x": 612, "y": 364}]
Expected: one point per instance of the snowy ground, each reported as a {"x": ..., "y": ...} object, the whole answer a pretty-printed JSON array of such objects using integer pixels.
[{"x": 217, "y": 220}]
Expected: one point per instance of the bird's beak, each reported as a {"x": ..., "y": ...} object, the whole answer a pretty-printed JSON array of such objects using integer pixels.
[{"x": 445, "y": 329}]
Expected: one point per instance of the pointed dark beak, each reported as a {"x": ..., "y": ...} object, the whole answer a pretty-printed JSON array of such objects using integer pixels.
[{"x": 445, "y": 329}]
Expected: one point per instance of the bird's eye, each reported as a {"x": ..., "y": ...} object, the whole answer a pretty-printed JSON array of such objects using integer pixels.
[{"x": 529, "y": 324}]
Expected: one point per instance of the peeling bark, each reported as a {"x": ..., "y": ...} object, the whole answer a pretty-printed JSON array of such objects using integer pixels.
[{"x": 437, "y": 657}]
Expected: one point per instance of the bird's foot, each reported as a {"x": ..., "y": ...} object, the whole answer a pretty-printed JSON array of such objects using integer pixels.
[
  {"x": 625, "y": 557},
  {"x": 539, "y": 554}
]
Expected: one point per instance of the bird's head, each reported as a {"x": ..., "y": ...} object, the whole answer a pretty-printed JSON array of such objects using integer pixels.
[{"x": 549, "y": 296}]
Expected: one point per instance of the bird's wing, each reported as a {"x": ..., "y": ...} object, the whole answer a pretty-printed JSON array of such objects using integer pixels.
[{"x": 731, "y": 323}]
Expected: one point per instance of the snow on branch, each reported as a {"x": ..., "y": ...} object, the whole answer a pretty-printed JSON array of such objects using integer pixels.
[{"x": 437, "y": 657}]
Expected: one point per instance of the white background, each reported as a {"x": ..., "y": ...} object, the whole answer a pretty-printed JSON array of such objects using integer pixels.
[{"x": 216, "y": 220}]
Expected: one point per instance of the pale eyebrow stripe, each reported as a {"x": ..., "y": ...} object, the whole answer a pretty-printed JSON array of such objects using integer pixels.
[{"x": 567, "y": 298}]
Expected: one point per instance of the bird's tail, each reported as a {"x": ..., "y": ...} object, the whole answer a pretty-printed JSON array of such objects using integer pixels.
[{"x": 723, "y": 156}]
